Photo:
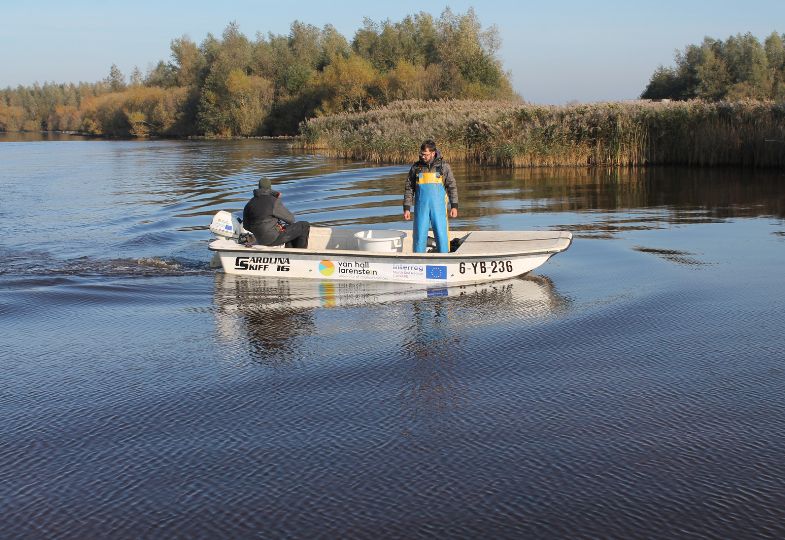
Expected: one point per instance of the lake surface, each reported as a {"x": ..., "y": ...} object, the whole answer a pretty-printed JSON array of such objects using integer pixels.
[{"x": 633, "y": 386}]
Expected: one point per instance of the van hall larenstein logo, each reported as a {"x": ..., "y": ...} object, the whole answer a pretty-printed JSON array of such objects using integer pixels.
[{"x": 326, "y": 268}]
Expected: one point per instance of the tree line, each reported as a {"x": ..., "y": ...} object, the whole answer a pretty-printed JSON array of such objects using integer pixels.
[
  {"x": 235, "y": 86},
  {"x": 735, "y": 69}
]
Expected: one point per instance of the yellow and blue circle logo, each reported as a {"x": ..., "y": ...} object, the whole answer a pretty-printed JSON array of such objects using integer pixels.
[{"x": 326, "y": 268}]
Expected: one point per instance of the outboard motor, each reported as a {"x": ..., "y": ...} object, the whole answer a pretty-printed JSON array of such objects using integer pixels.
[{"x": 227, "y": 225}]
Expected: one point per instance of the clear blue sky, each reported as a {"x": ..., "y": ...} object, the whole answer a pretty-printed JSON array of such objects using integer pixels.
[{"x": 557, "y": 51}]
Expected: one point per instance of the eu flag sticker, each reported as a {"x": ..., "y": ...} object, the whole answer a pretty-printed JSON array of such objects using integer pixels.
[{"x": 435, "y": 272}]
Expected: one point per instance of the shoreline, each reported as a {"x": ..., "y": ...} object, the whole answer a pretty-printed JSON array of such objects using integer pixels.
[
  {"x": 749, "y": 134},
  {"x": 149, "y": 137}
]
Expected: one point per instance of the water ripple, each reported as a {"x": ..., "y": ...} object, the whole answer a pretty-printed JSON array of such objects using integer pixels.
[{"x": 607, "y": 396}]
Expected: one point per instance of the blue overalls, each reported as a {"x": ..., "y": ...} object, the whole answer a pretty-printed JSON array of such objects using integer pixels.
[{"x": 430, "y": 211}]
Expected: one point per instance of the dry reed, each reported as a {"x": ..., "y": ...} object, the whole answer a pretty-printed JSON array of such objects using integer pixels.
[{"x": 521, "y": 135}]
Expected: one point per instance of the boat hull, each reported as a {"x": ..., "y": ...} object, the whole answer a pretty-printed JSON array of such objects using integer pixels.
[{"x": 364, "y": 266}]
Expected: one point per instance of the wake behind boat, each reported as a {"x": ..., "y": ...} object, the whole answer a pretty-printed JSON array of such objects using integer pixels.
[{"x": 387, "y": 255}]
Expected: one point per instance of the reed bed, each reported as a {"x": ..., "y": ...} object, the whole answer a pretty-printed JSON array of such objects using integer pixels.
[{"x": 512, "y": 134}]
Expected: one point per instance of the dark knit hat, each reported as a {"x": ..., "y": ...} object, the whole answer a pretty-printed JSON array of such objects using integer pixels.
[{"x": 264, "y": 183}]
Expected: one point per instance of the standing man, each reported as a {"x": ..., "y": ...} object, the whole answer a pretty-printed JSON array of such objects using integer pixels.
[
  {"x": 262, "y": 214},
  {"x": 429, "y": 186}
]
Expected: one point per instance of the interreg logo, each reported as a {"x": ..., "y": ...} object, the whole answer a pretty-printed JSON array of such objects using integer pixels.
[{"x": 326, "y": 268}]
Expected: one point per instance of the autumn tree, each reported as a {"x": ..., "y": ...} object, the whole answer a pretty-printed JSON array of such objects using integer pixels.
[
  {"x": 737, "y": 68},
  {"x": 346, "y": 81},
  {"x": 406, "y": 81},
  {"x": 188, "y": 62},
  {"x": 136, "y": 78},
  {"x": 115, "y": 79},
  {"x": 249, "y": 102},
  {"x": 232, "y": 53},
  {"x": 775, "y": 54},
  {"x": 162, "y": 75},
  {"x": 468, "y": 54}
]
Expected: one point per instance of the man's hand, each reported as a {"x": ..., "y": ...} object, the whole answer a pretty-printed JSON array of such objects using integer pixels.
[
  {"x": 407, "y": 215},
  {"x": 453, "y": 212}
]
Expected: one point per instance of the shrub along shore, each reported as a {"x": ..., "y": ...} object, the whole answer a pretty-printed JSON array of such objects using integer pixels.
[{"x": 513, "y": 134}]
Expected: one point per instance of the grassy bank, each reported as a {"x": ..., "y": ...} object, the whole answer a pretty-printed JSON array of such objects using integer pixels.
[{"x": 519, "y": 135}]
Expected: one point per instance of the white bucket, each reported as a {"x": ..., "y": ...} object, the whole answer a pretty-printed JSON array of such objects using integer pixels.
[{"x": 380, "y": 241}]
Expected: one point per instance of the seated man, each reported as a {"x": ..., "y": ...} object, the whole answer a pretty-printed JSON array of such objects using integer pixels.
[{"x": 262, "y": 214}]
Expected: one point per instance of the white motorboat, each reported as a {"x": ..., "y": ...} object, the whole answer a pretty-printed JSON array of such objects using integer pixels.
[{"x": 386, "y": 255}]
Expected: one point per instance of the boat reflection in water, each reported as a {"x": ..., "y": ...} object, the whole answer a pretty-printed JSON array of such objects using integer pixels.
[{"x": 292, "y": 319}]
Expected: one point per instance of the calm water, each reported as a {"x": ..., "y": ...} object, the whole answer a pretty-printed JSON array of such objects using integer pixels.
[{"x": 633, "y": 386}]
